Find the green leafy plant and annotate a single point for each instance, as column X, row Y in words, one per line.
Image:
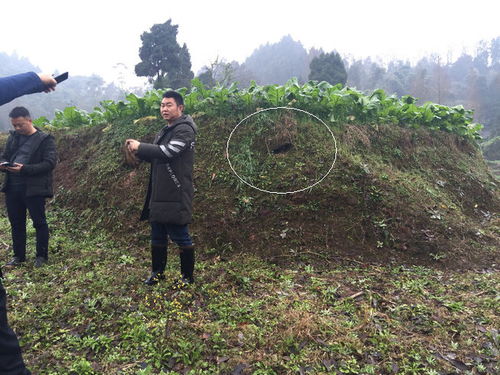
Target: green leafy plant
column 334, row 103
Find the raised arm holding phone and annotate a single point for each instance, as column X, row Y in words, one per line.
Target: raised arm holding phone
column 12, row 87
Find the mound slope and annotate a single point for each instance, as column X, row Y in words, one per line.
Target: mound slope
column 398, row 195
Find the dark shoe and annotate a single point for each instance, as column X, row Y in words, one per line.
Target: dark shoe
column 187, row 263
column 40, row 261
column 15, row 262
column 154, row 278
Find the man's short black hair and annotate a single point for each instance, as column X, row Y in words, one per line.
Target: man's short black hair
column 179, row 100
column 19, row 112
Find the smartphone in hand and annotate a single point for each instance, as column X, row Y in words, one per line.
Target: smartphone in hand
column 61, row 77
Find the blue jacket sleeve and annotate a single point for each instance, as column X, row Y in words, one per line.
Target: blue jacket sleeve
column 18, row 85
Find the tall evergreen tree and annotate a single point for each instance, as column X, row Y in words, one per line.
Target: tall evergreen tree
column 328, row 67
column 164, row 61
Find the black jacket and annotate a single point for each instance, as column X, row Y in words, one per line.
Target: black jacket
column 170, row 192
column 38, row 171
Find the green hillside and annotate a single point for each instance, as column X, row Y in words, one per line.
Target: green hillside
column 409, row 192
column 389, row 265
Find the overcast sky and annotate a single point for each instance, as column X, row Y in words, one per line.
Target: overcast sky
column 86, row 37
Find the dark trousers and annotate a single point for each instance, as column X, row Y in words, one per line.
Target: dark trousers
column 11, row 360
column 177, row 233
column 160, row 233
column 17, row 203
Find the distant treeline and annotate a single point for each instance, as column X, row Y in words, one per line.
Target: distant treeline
column 472, row 80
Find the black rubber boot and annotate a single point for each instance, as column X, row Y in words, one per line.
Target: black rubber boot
column 187, row 263
column 158, row 263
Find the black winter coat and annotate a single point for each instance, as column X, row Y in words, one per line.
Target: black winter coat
column 38, row 172
column 170, row 192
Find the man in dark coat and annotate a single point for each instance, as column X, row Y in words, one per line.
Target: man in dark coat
column 28, row 159
column 168, row 203
column 11, row 361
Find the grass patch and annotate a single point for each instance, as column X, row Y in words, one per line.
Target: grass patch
column 88, row 312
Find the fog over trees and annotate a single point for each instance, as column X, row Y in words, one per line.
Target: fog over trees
column 471, row 80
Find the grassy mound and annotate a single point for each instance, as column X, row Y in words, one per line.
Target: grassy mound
column 412, row 196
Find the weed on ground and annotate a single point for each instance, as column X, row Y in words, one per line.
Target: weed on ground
column 87, row 312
